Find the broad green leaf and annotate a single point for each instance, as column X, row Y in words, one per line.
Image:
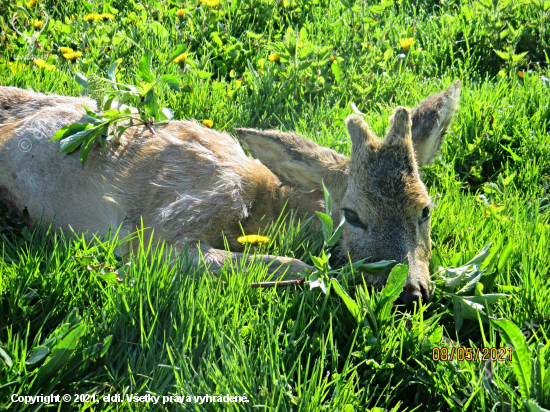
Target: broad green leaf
column 436, row 335
column 318, row 262
column 509, row 289
column 159, row 30
column 490, row 298
column 37, row 354
column 346, row 4
column 481, row 256
column 303, row 34
column 67, row 131
column 108, row 103
column 374, row 268
column 348, row 301
column 515, row 157
column 179, row 50
column 122, row 272
column 87, row 146
column 253, row 35
column 78, row 360
column 167, row 113
column 336, row 71
column 123, row 98
column 71, row 143
column 82, row 80
column 376, row 9
column 304, row 65
column 106, row 345
column 470, row 309
column 144, row 67
column 109, row 277
column 5, row 357
column 521, row 356
column 532, row 406
column 218, row 86
column 327, row 225
column 85, row 260
column 171, row 81
column 337, row 233
column 540, row 372
column 93, row 120
column 151, row 104
column 218, row 41
column 61, row 353
column 518, row 57
column 503, row 55
column 396, row 282
column 472, row 279
column 203, row 75
column 111, row 71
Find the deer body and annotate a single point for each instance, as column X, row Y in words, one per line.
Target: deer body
column 193, row 185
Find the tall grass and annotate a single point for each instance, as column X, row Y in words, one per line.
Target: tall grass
column 163, row 331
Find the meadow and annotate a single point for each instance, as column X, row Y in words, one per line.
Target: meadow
column 69, row 326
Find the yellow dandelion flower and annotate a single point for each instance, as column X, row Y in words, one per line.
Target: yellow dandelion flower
column 180, row 60
column 208, row 123
column 332, row 58
column 32, row 3
column 211, row 3
column 65, row 50
column 253, row 239
column 106, row 16
column 72, row 56
column 181, row 13
column 92, row 17
column 37, row 24
column 40, row 63
column 73, row 18
column 274, row 57
column 407, row 43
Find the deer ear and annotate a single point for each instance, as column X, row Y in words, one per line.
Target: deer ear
column 296, row 160
column 430, row 120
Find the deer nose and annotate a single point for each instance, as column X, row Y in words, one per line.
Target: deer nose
column 408, row 299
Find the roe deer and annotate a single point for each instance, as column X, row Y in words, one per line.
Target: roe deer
column 192, row 184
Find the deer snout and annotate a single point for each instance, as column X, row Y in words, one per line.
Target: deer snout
column 412, row 293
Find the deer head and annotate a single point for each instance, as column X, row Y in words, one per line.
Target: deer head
column 378, row 188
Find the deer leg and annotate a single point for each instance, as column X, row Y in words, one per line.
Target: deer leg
column 284, row 268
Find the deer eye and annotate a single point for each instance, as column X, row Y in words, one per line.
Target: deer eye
column 425, row 214
column 352, row 218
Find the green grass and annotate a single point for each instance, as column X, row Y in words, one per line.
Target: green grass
column 164, row 332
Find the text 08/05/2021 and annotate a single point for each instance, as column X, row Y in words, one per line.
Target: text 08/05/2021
column 471, row 354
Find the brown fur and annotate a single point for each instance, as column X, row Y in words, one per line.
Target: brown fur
column 192, row 184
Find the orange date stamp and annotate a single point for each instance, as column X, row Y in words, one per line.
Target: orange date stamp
column 470, row 354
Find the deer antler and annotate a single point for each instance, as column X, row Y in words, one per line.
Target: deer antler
column 45, row 25
column 32, row 38
column 13, row 25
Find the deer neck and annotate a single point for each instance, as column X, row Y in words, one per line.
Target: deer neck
column 269, row 198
